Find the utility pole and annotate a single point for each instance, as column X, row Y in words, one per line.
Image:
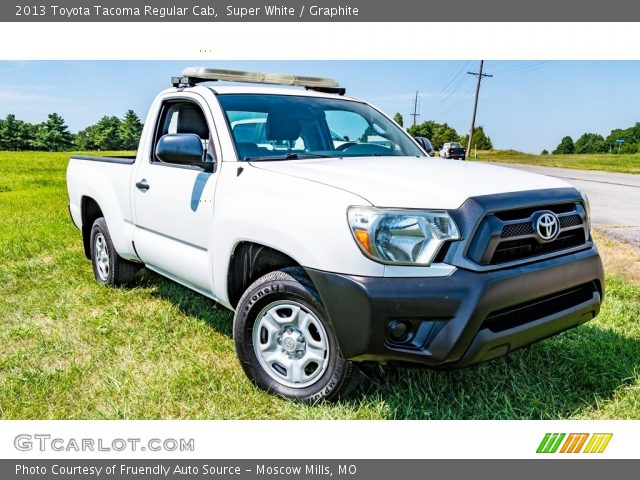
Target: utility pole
column 416, row 106
column 480, row 75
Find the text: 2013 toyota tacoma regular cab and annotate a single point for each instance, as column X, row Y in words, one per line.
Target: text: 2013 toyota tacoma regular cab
column 332, row 235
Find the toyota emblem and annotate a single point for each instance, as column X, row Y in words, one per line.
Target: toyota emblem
column 547, row 227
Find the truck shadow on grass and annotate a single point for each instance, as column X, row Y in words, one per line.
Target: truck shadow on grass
column 564, row 376
column 570, row 375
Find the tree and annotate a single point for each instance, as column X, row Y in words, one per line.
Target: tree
column 424, row 129
column 442, row 134
column 52, row 135
column 479, row 141
column 591, row 143
column 398, row 119
column 15, row 134
column 438, row 133
column 630, row 135
column 85, row 139
column 566, row 146
column 130, row 131
column 544, row 152
column 105, row 134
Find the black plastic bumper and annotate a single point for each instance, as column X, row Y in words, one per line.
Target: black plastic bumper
column 465, row 318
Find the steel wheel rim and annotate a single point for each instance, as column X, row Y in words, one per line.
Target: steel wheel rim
column 101, row 256
column 291, row 344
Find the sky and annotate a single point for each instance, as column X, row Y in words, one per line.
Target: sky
column 527, row 105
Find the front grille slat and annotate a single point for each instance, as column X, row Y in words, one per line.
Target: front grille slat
column 520, row 213
column 526, row 228
column 570, row 221
column 529, row 247
column 517, row 230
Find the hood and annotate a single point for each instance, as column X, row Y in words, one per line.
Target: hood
column 412, row 182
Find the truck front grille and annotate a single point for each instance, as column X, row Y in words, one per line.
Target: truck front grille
column 510, row 235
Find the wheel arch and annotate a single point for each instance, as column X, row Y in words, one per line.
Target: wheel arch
column 90, row 211
column 248, row 262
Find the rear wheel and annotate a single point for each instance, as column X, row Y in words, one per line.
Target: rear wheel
column 109, row 268
column 285, row 342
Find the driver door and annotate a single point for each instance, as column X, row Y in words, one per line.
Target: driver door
column 174, row 202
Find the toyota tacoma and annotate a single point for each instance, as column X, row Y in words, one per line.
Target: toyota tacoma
column 336, row 240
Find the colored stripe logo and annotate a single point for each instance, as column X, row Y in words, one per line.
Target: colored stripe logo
column 574, row 443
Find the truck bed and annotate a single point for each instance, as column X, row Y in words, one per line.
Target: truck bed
column 125, row 160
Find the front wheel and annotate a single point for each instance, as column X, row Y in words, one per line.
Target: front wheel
column 285, row 342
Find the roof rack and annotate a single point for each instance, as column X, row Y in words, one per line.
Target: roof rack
column 195, row 75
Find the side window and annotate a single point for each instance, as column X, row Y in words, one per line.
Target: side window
column 182, row 117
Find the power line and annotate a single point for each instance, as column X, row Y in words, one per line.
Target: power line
column 480, row 76
column 450, row 87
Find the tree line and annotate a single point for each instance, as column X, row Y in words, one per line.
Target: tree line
column 595, row 143
column 441, row 133
column 53, row 135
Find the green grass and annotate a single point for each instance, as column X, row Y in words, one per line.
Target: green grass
column 70, row 348
column 624, row 163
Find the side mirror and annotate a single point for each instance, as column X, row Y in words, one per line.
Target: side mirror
column 184, row 149
column 425, row 146
column 208, row 164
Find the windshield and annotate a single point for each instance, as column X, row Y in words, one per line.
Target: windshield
column 284, row 127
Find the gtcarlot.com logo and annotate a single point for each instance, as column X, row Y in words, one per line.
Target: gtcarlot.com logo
column 44, row 442
column 574, row 443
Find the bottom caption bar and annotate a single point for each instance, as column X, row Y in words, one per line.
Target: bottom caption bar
column 313, row 469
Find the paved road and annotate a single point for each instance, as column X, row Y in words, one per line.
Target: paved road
column 614, row 197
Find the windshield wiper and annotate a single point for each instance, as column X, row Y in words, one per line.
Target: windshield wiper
column 288, row 156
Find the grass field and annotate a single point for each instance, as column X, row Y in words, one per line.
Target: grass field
column 72, row 349
column 626, row 163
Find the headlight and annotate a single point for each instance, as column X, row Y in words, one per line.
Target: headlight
column 401, row 237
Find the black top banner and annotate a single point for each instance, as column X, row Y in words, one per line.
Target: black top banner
column 452, row 11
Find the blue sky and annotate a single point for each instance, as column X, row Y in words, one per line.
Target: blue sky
column 527, row 105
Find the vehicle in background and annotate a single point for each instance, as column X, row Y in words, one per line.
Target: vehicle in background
column 453, row 150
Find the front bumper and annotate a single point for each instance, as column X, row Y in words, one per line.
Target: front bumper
column 465, row 318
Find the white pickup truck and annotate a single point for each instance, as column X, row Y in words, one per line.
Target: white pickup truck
column 332, row 235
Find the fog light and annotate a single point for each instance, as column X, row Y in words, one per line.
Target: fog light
column 399, row 331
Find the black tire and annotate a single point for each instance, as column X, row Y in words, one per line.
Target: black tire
column 290, row 284
column 115, row 270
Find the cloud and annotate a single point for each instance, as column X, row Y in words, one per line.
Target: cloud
column 10, row 94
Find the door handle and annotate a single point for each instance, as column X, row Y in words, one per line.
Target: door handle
column 142, row 185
